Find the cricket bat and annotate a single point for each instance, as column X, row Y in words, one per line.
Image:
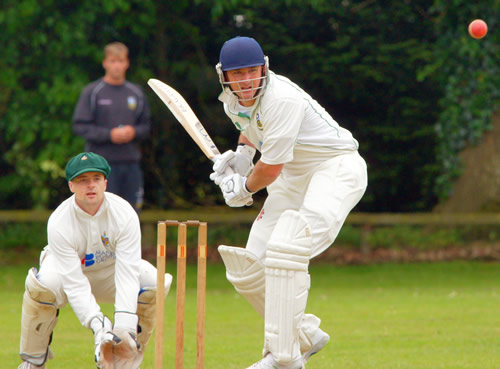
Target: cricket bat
column 188, row 119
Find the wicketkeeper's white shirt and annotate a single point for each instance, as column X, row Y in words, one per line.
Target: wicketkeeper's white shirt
column 84, row 244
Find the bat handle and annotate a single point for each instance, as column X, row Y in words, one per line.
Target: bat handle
column 228, row 171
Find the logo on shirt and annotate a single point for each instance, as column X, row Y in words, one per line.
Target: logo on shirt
column 88, row 260
column 105, row 240
column 104, row 102
column 97, row 258
column 259, row 123
column 132, row 102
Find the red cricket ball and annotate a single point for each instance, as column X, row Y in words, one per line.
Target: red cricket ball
column 478, row 28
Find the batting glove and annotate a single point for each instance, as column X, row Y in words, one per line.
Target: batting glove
column 235, row 191
column 240, row 162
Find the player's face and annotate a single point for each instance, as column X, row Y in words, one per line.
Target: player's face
column 116, row 66
column 245, row 83
column 89, row 191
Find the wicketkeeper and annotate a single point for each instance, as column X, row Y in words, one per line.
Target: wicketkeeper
column 314, row 176
column 93, row 255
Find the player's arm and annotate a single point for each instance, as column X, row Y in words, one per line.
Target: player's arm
column 262, row 176
column 143, row 123
column 242, row 140
column 84, row 121
column 75, row 284
column 128, row 257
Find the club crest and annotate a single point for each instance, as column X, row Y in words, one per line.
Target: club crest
column 132, row 102
column 105, row 240
column 259, row 123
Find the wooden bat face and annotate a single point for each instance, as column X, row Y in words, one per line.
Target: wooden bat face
column 186, row 117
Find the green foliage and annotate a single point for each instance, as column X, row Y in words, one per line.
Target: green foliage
column 468, row 73
column 403, row 76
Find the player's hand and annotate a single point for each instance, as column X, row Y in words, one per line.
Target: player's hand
column 235, row 191
column 240, row 162
column 100, row 324
column 120, row 349
column 128, row 132
column 122, row 134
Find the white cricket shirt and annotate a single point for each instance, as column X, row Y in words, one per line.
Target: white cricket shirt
column 84, row 244
column 288, row 126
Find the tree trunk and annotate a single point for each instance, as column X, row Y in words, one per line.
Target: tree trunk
column 478, row 188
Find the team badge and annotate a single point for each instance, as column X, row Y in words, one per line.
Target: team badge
column 105, row 240
column 259, row 123
column 132, row 102
column 84, row 157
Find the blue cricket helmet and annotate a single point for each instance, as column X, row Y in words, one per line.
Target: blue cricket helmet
column 241, row 52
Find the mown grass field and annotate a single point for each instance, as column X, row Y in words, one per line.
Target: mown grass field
column 409, row 316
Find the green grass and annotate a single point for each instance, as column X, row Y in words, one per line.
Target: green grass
column 409, row 316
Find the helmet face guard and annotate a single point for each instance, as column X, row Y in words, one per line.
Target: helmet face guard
column 239, row 53
column 236, row 86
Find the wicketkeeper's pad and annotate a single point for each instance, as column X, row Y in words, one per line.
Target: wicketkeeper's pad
column 38, row 319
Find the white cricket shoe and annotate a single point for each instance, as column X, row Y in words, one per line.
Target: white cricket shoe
column 28, row 365
column 268, row 362
column 319, row 340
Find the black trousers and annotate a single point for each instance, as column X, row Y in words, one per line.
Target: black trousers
column 126, row 180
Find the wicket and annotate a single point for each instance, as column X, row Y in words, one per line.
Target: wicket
column 181, row 290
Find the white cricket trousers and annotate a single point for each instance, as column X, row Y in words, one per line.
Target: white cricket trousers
column 102, row 282
column 323, row 194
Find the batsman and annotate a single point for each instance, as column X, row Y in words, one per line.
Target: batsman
column 93, row 255
column 314, row 176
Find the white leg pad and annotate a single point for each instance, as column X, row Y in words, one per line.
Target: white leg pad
column 246, row 274
column 287, row 286
column 39, row 317
column 146, row 311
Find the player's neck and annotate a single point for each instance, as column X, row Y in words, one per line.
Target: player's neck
column 114, row 81
column 90, row 209
column 247, row 103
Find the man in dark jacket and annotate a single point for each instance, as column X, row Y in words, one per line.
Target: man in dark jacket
column 112, row 115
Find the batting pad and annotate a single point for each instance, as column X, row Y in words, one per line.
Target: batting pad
column 246, row 274
column 38, row 319
column 287, row 285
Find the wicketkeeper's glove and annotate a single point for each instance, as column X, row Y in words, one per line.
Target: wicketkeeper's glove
column 117, row 347
column 120, row 350
column 100, row 324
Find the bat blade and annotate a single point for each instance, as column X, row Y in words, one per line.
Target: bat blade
column 186, row 117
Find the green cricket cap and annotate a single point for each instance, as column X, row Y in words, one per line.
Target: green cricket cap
column 86, row 162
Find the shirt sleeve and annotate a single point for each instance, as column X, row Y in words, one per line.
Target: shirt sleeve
column 143, row 122
column 283, row 119
column 84, row 121
column 75, row 284
column 128, row 257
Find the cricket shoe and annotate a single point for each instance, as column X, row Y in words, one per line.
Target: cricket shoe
column 28, row 365
column 319, row 340
column 268, row 362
